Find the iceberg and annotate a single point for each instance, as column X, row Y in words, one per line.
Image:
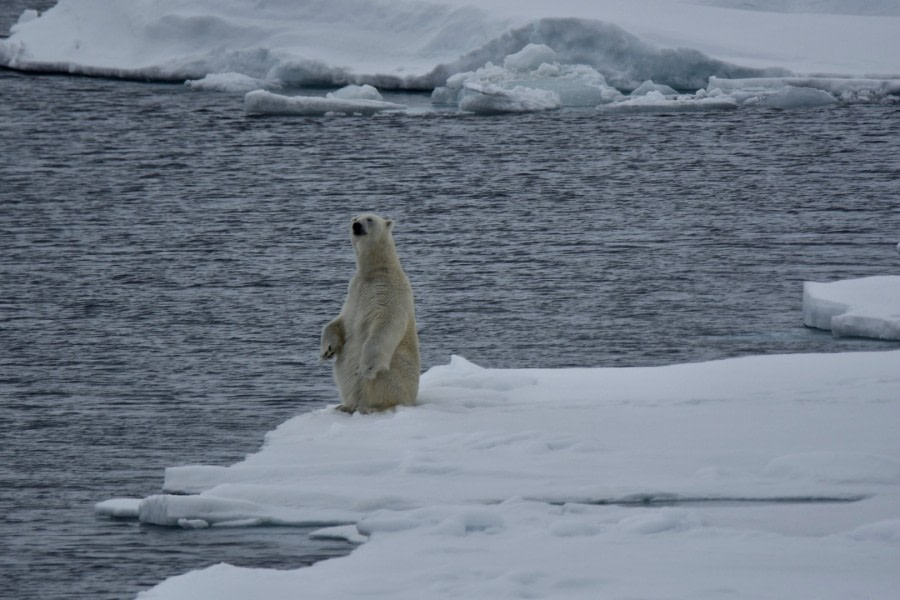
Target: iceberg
column 866, row 307
column 765, row 476
column 261, row 102
column 419, row 44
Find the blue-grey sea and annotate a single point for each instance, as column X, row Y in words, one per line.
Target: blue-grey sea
column 167, row 263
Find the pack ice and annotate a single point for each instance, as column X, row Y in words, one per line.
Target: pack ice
column 584, row 53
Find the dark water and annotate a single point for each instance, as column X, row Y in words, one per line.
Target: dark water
column 166, row 264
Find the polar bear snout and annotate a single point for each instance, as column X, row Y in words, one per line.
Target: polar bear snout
column 359, row 228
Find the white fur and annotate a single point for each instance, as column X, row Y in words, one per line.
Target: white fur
column 374, row 339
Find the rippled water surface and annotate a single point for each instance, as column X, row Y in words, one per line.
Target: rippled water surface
column 166, row 265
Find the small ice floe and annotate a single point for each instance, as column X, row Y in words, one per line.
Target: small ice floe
column 491, row 99
column 654, row 101
column 261, row 102
column 119, row 508
column 866, row 307
column 231, row 82
column 805, row 92
column 648, row 86
column 356, row 92
column 530, row 80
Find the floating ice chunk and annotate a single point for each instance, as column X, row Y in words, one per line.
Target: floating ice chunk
column 530, row 58
column 654, row 101
column 795, row 97
column 193, row 523
column 120, row 508
column 491, row 99
column 356, row 92
column 649, row 86
column 846, row 88
column 573, row 85
column 867, row 307
column 261, row 102
column 230, row 82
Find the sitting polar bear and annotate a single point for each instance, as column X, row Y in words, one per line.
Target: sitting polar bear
column 374, row 340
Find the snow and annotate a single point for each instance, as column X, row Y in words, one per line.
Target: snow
column 261, row 102
column 866, row 307
column 756, row 477
column 418, row 44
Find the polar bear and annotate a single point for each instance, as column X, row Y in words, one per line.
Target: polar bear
column 373, row 340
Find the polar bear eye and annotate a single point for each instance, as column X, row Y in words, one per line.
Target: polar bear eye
column 369, row 219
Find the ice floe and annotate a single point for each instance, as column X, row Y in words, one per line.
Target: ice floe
column 420, row 43
column 261, row 102
column 866, row 307
column 759, row 476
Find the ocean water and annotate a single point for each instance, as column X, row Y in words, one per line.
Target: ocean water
column 166, row 265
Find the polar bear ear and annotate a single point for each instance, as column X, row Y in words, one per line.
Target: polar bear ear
column 389, row 223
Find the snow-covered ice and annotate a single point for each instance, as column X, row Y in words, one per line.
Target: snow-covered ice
column 757, row 477
column 866, row 307
column 419, row 44
column 261, row 102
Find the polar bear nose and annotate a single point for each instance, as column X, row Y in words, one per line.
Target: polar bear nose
column 358, row 228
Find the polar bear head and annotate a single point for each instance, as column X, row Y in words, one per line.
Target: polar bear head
column 371, row 234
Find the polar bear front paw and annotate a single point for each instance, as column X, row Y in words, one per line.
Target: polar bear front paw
column 332, row 340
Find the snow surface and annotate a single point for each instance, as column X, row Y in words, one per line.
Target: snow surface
column 418, row 44
column 867, row 307
column 758, row 477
